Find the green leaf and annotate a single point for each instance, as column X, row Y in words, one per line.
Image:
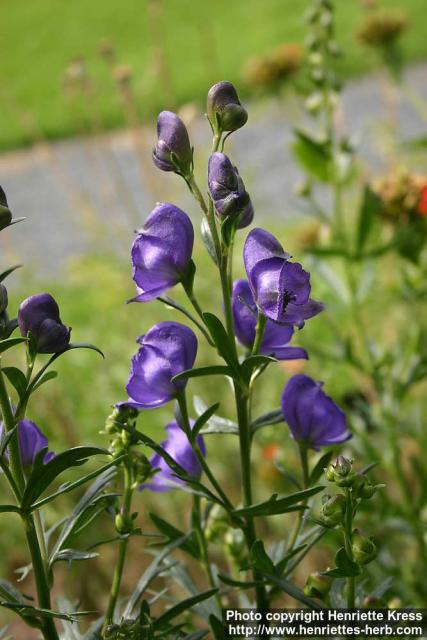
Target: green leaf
column 83, row 345
column 239, row 584
column 7, row 272
column 216, row 424
column 313, row 155
column 272, row 417
column 182, row 606
column 345, row 566
column 281, row 565
column 70, row 486
column 319, row 468
column 5, row 438
column 293, row 591
column 217, row 627
column 17, row 379
column 153, row 570
column 85, row 504
column 208, row 240
column 49, row 375
column 370, row 207
column 10, row 342
column 201, row 372
column 276, row 506
column 188, row 544
column 71, row 555
column 202, row 420
column 42, row 475
column 222, row 340
column 253, row 362
column 260, row 559
column 228, row 229
column 9, row 508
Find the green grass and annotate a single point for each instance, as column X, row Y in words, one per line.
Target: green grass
column 200, row 42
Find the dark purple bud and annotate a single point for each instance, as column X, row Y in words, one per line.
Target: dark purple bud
column 224, row 109
column 227, row 190
column 166, row 349
column 276, row 337
column 173, row 151
column 39, row 314
column 312, row 416
column 5, row 214
column 280, row 287
column 178, row 447
column 31, row 441
column 3, row 298
column 161, row 252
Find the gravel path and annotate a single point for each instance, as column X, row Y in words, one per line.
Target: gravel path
column 81, row 193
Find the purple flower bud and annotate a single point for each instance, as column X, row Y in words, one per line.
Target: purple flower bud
column 173, row 151
column 39, row 314
column 280, row 287
column 224, row 109
column 5, row 214
column 166, row 349
column 178, row 447
column 276, row 337
column 31, row 441
column 312, row 416
column 227, row 190
column 161, row 252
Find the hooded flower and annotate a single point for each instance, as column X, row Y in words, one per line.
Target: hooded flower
column 281, row 288
column 173, row 151
column 227, row 190
column 161, row 252
column 225, row 112
column 178, row 447
column 39, row 314
column 166, row 349
column 312, row 416
column 276, row 337
column 31, row 441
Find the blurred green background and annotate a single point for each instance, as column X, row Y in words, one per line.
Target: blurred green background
column 175, row 48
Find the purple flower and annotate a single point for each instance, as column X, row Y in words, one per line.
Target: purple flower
column 227, row 190
column 173, row 151
column 276, row 337
column 225, row 112
column 39, row 314
column 31, row 441
column 166, row 349
column 312, row 416
column 280, row 287
column 178, row 447
column 161, row 252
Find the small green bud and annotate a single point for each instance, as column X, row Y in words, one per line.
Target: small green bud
column 317, row 585
column 217, row 523
column 363, row 488
column 394, row 603
column 303, row 189
column 341, row 472
column 364, row 549
column 123, row 523
column 235, row 544
column 142, row 467
column 315, row 58
column 333, row 510
column 313, row 102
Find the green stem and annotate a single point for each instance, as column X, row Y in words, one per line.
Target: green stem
column 209, row 213
column 125, row 511
column 303, row 453
column 259, row 333
column 347, row 530
column 47, row 624
column 203, row 546
column 13, row 446
column 245, row 463
column 182, row 402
